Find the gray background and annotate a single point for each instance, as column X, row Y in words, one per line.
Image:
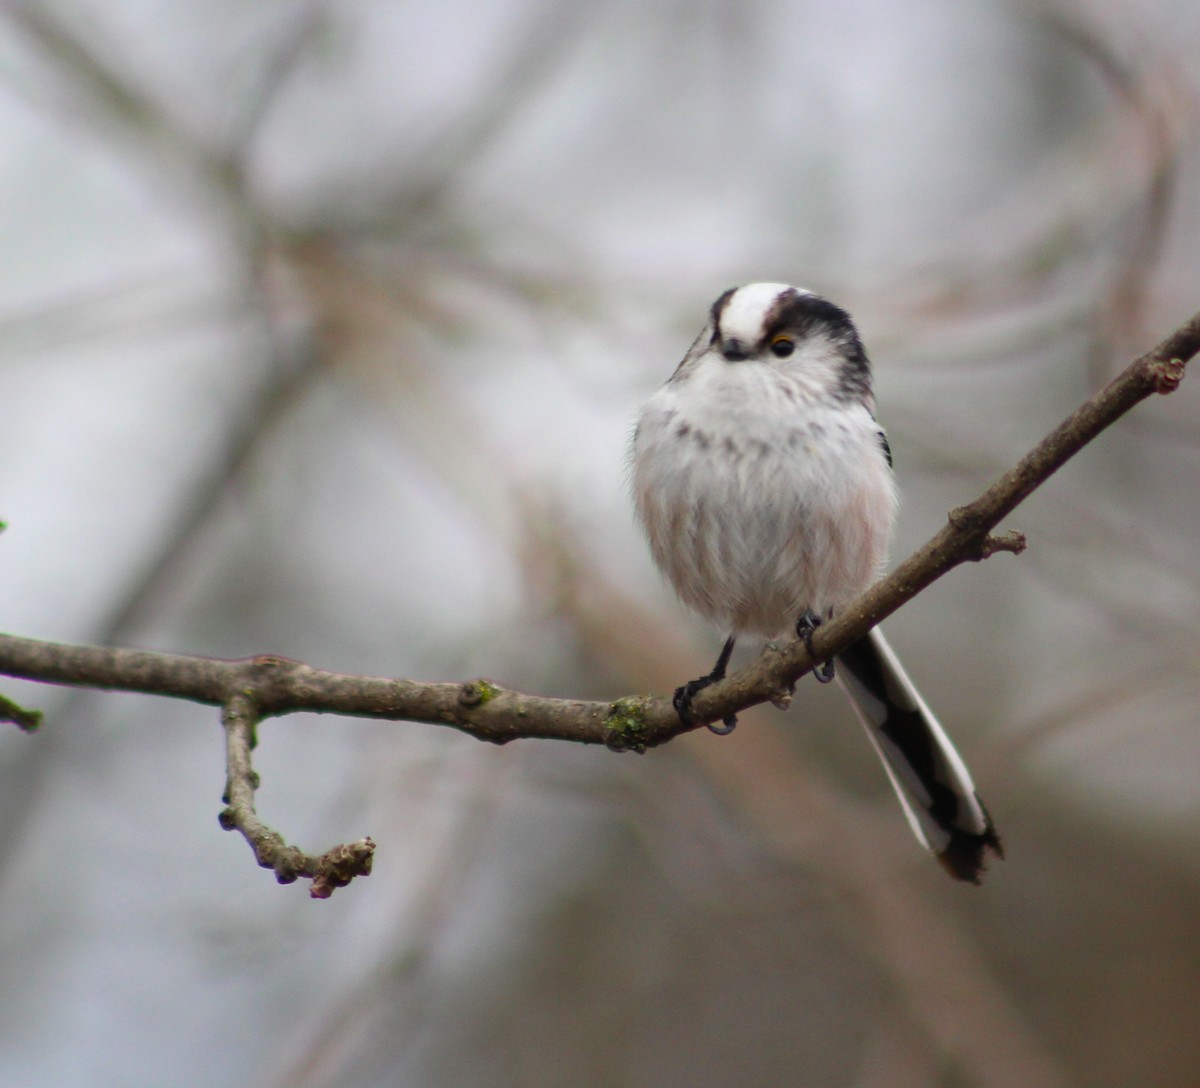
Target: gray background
column 323, row 329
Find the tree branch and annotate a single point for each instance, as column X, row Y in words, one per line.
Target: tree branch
column 255, row 688
column 333, row 869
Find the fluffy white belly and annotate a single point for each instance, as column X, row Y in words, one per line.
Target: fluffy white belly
column 764, row 508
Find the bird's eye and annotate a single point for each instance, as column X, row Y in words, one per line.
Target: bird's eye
column 782, row 346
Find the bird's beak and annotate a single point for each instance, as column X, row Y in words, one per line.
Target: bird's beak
column 734, row 350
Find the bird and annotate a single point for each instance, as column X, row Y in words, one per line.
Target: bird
column 763, row 483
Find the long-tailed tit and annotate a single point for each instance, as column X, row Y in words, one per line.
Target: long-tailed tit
column 764, row 486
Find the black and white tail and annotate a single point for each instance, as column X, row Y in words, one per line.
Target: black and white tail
column 930, row 778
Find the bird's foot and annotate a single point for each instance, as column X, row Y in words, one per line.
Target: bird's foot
column 682, row 701
column 684, row 695
column 805, row 626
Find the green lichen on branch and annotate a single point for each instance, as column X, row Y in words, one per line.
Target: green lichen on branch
column 625, row 724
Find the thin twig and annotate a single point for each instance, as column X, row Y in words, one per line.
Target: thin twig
column 333, row 869
column 28, row 721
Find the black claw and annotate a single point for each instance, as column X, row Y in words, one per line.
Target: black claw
column 682, row 702
column 805, row 626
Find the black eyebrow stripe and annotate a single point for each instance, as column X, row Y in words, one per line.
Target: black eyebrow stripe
column 718, row 308
column 781, row 311
column 803, row 312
